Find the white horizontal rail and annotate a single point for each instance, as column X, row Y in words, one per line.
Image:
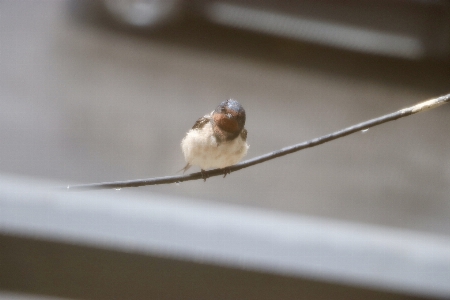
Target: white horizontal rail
column 273, row 242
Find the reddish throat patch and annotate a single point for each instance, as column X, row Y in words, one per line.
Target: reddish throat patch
column 224, row 123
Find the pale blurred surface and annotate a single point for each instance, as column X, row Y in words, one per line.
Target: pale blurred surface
column 20, row 296
column 86, row 103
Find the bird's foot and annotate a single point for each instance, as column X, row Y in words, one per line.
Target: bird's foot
column 226, row 171
column 204, row 175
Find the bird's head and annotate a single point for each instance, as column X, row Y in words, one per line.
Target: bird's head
column 229, row 117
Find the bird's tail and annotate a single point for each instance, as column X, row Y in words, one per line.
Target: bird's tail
column 186, row 167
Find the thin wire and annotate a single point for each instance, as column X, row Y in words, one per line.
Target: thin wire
column 423, row 106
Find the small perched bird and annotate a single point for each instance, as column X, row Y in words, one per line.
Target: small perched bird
column 217, row 140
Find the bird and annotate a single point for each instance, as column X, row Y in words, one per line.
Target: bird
column 217, row 140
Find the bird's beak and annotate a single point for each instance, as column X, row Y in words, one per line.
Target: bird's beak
column 229, row 116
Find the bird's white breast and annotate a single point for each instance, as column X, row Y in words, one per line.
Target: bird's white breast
column 200, row 148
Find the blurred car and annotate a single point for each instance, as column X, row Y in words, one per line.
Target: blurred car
column 410, row 29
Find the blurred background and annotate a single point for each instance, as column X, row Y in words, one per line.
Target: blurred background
column 95, row 91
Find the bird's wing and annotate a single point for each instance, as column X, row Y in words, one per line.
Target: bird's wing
column 244, row 134
column 201, row 122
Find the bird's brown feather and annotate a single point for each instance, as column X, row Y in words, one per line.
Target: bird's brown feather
column 201, row 122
